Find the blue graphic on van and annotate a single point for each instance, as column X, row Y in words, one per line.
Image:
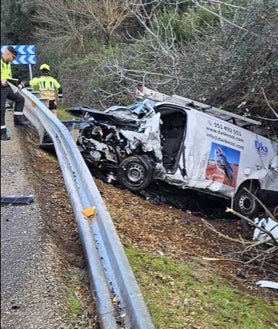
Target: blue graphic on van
column 261, row 147
column 223, row 163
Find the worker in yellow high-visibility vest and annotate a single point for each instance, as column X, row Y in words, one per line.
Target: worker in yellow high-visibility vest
column 48, row 87
column 7, row 93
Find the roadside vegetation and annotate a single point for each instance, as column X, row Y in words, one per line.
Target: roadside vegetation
column 74, row 303
column 182, row 295
column 63, row 114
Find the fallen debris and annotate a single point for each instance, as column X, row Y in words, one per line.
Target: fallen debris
column 267, row 284
column 267, row 224
column 17, row 199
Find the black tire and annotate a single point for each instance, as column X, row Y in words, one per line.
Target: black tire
column 135, row 173
column 245, row 203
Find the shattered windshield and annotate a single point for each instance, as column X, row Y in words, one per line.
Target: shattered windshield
column 132, row 112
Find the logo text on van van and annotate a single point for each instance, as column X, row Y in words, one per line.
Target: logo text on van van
column 261, row 147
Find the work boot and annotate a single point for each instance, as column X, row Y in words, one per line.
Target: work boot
column 5, row 137
column 20, row 120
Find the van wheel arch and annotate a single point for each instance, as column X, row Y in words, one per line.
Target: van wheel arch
column 244, row 202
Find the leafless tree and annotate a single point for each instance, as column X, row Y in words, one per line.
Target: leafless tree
column 72, row 25
column 219, row 52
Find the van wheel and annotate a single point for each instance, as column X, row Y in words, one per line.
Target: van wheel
column 135, row 173
column 245, row 203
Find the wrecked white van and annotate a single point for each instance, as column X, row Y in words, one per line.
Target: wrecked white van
column 184, row 143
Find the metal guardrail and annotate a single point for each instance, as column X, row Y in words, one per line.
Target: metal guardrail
column 109, row 270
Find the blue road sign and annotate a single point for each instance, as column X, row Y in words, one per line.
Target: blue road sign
column 22, row 49
column 26, row 54
column 25, row 59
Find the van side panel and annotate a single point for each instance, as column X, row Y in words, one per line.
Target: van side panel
column 220, row 156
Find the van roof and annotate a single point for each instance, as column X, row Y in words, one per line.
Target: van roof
column 236, row 119
column 214, row 111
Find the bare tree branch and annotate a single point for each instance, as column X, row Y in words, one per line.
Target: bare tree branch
column 196, row 2
column 268, row 104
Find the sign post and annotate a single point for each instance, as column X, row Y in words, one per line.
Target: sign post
column 26, row 55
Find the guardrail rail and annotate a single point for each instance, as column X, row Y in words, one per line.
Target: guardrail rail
column 110, row 274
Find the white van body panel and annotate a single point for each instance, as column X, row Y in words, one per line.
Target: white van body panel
column 211, row 144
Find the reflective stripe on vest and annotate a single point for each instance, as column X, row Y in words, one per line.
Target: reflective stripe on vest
column 46, row 84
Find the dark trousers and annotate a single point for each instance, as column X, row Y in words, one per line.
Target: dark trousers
column 52, row 105
column 7, row 93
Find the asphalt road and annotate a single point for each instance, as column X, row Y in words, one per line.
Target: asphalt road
column 31, row 294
